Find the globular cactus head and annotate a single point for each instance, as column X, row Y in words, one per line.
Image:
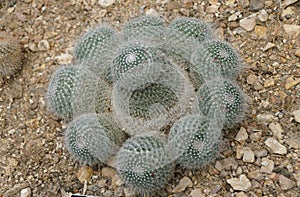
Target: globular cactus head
column 194, row 141
column 129, row 56
column 143, row 163
column 60, row 92
column 221, row 100
column 93, row 138
column 216, row 57
column 183, row 35
column 93, row 47
column 150, row 28
column 11, row 55
column 155, row 98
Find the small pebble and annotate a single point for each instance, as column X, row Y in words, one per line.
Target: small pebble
column 248, row 156
column 263, row 15
column 248, row 23
column 64, row 58
column 183, row 184
column 43, row 45
column 241, row 184
column 260, row 31
column 242, row 135
column 285, row 183
column 267, row 166
column 196, row 193
column 106, row 3
column 268, row 46
column 84, row 173
column 276, row 129
column 297, row 115
column 297, row 52
column 269, row 83
column 26, row 192
column 291, row 82
column 292, row 30
column 108, row 172
column 275, row 146
column 256, row 5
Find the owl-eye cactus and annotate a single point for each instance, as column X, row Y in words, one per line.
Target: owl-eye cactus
column 11, row 55
column 194, row 140
column 221, row 100
column 216, row 57
column 92, row 138
column 143, row 163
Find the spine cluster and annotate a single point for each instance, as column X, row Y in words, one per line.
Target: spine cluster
column 153, row 95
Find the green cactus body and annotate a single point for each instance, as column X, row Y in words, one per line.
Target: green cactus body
column 131, row 56
column 142, row 99
column 152, row 99
column 60, row 92
column 150, row 28
column 221, row 100
column 11, row 55
column 143, row 164
column 92, row 138
column 184, row 35
column 194, row 140
column 216, row 57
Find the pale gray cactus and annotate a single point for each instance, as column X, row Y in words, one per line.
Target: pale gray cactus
column 93, row 138
column 143, row 163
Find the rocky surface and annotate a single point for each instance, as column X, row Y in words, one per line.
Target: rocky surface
column 260, row 156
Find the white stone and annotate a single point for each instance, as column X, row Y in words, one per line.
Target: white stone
column 43, row 45
column 268, row 46
column 292, row 30
column 242, row 135
column 276, row 129
column 275, row 146
column 196, row 193
column 267, row 166
column 248, row 23
column 106, row 3
column 151, row 12
column 248, row 156
column 288, row 2
column 232, row 17
column 297, row 115
column 263, row 15
column 26, row 192
column 183, row 184
column 64, row 58
column 241, row 184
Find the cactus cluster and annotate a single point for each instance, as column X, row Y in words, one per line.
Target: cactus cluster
column 11, row 55
column 150, row 96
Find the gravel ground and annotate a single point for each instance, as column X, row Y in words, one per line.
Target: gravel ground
column 260, row 156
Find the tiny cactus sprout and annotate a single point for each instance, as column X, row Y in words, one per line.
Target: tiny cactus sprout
column 217, row 56
column 143, row 163
column 221, row 100
column 11, row 55
column 60, row 92
column 195, row 140
column 150, row 28
column 92, row 138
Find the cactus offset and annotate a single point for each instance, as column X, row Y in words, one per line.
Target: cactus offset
column 11, row 55
column 92, row 138
column 143, row 164
column 195, row 140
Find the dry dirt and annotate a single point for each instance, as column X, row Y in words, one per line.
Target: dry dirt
column 32, row 153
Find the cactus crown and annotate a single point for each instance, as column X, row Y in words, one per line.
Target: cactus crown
column 145, row 78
